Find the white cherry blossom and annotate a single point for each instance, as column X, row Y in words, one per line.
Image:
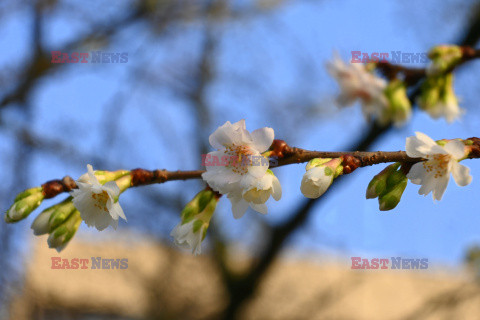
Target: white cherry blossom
column 357, row 83
column 97, row 203
column 255, row 192
column 238, row 155
column 434, row 173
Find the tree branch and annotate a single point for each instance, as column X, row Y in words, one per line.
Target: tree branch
column 353, row 159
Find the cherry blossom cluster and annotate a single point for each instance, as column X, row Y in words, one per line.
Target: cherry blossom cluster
column 246, row 183
column 240, row 166
column 387, row 101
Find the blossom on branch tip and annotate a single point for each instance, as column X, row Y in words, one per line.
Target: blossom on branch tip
column 433, row 174
column 438, row 98
column 195, row 219
column 319, row 176
column 97, row 203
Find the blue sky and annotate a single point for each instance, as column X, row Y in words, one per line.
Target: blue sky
column 279, row 55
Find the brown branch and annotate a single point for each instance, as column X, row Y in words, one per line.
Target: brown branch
column 351, row 161
column 364, row 158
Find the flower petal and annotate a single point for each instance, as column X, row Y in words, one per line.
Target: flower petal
column 456, row 149
column 428, row 184
column 276, row 189
column 228, row 134
column 422, row 145
column 262, row 139
column 117, row 211
column 258, row 171
column 102, row 221
column 461, row 174
column 112, row 188
column 262, row 208
column 440, row 187
column 239, row 206
column 417, row 173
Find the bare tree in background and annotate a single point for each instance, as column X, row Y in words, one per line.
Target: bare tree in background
column 188, row 78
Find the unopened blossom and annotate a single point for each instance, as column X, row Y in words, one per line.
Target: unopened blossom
column 25, row 203
column 195, row 219
column 315, row 182
column 255, row 192
column 434, row 173
column 357, row 83
column 61, row 235
column 97, row 203
column 319, row 176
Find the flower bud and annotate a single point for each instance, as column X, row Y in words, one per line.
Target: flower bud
column 24, row 204
column 378, row 185
column 319, row 176
column 388, row 186
column 391, row 199
column 395, row 178
column 52, row 217
column 400, row 109
column 61, row 235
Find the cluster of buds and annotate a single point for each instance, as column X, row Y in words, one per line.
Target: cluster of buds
column 382, row 101
column 195, row 219
column 60, row 221
column 94, row 199
column 388, row 186
column 437, row 96
column 319, row 176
